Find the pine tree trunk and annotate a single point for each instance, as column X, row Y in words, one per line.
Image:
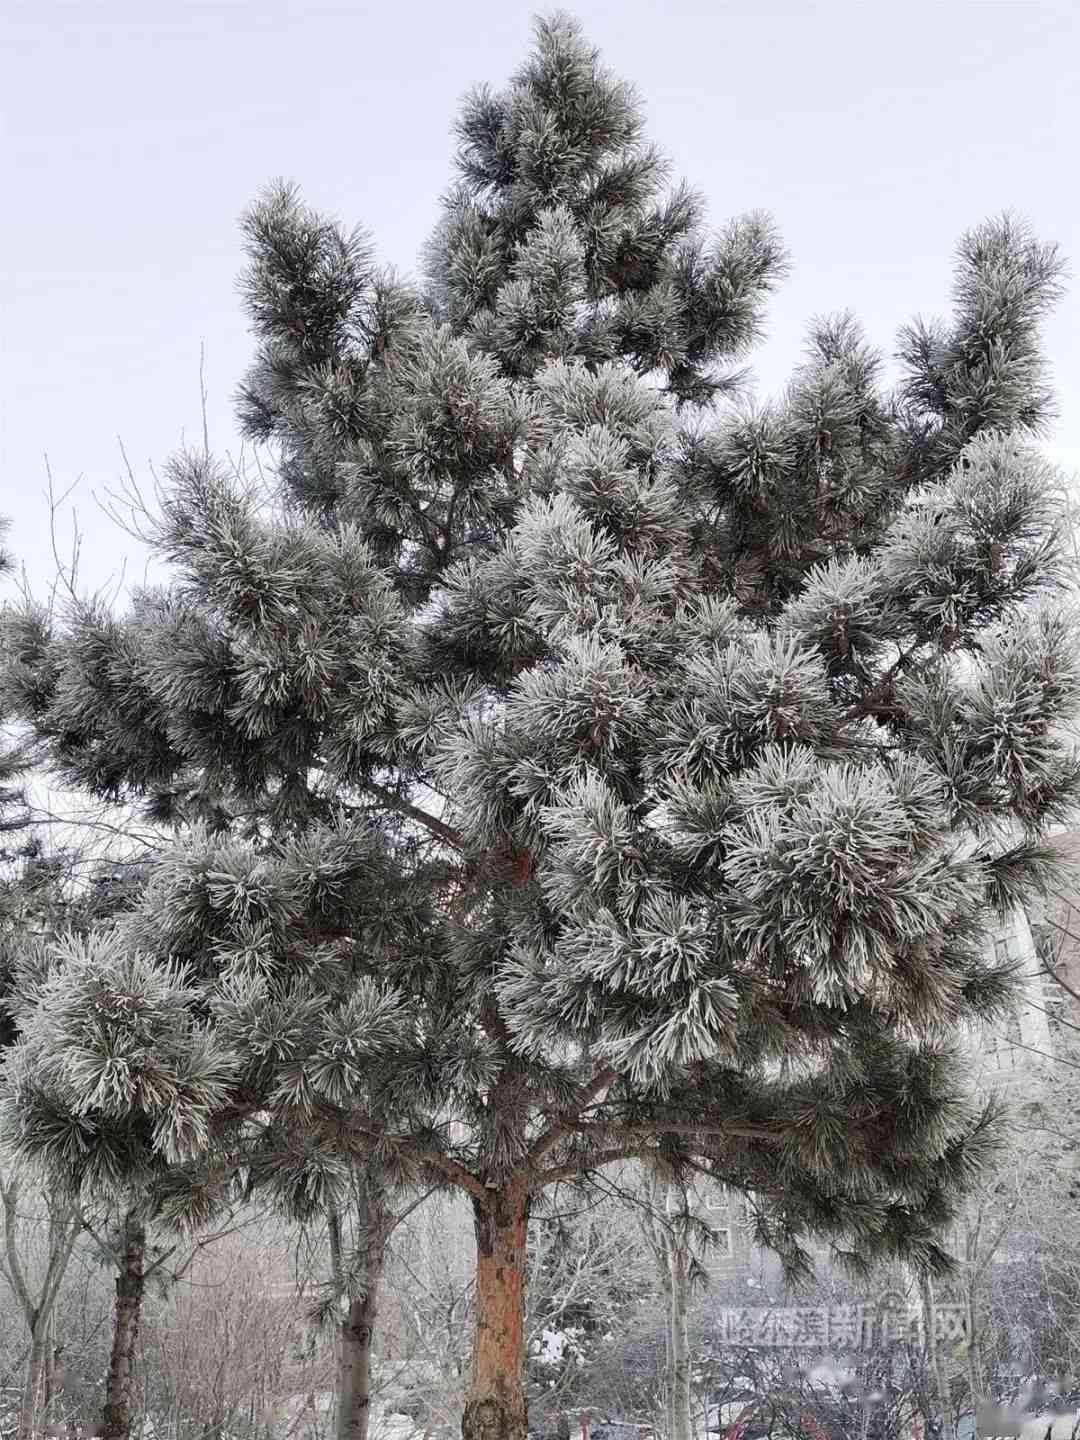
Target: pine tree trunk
column 355, row 1350
column 356, row 1332
column 681, row 1421
column 31, row 1406
column 495, row 1406
column 120, row 1383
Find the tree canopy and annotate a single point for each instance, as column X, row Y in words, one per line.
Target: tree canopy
column 573, row 760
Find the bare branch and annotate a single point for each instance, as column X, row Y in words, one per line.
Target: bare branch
column 60, row 1253
column 202, row 398
column 66, row 575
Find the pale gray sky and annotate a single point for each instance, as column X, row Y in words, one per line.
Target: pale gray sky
column 137, row 130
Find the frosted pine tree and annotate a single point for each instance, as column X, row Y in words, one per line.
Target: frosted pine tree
column 592, row 765
column 114, row 1093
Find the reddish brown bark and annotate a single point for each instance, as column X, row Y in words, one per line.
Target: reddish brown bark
column 521, row 866
column 495, row 1407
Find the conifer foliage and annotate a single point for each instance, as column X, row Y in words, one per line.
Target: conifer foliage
column 575, row 763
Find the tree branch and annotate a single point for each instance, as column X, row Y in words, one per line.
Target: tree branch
column 456, row 1173
column 1049, row 970
column 405, row 807
column 586, row 1163
column 111, row 1255
column 433, row 1159
column 879, row 692
column 200, row 1245
column 551, row 1137
column 9, row 1194
column 58, row 1259
column 333, row 1230
column 635, row 1141
column 671, row 1127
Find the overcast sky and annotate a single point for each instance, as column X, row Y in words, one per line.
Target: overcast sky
column 137, row 131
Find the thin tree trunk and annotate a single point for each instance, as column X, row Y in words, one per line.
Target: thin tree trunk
column 495, row 1407
column 354, row 1368
column 32, row 1403
column 37, row 1310
column 974, row 1359
column 48, row 1388
column 358, row 1327
column 681, row 1418
column 933, row 1355
column 670, row 1246
column 659, row 1243
column 669, row 1348
column 130, row 1282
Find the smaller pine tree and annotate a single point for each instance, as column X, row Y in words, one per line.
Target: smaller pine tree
column 113, row 1092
